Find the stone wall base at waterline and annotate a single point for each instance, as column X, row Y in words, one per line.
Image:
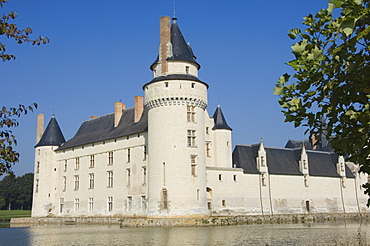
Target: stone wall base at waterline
column 209, row 221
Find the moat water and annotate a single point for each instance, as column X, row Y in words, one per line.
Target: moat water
column 343, row 233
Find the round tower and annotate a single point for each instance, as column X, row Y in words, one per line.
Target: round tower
column 176, row 101
column 45, row 169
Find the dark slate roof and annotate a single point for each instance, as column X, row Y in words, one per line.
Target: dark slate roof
column 102, row 128
column 52, row 135
column 175, row 77
column 285, row 161
column 298, row 144
column 219, row 119
column 282, row 161
column 244, row 157
column 180, row 49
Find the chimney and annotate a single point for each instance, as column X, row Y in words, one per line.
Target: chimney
column 93, row 117
column 138, row 108
column 39, row 127
column 314, row 141
column 165, row 41
column 118, row 107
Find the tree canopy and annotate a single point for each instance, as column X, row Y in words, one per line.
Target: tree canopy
column 10, row 30
column 331, row 79
column 16, row 192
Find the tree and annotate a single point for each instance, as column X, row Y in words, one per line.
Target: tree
column 16, row 192
column 11, row 30
column 331, row 79
column 8, row 119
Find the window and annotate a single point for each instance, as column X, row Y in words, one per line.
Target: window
column 198, row 194
column 143, row 203
column 129, row 203
column 77, row 204
column 234, row 178
column 220, row 177
column 110, row 204
column 193, row 165
column 77, row 182
column 61, row 204
column 263, row 179
column 306, row 180
column 110, row 179
column 38, row 152
column 91, row 181
column 65, row 165
column 110, row 158
column 144, row 153
column 262, row 161
column 207, row 130
column 343, row 179
column 190, row 113
column 128, row 155
column 64, row 183
column 191, row 138
column 37, row 186
column 166, row 84
column 223, row 203
column 77, row 163
column 304, row 164
column 187, row 69
column 208, row 149
column 38, row 167
column 164, row 199
column 144, row 175
column 92, row 161
column 192, row 85
column 91, row 204
column 128, row 176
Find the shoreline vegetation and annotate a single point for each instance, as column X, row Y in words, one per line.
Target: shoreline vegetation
column 7, row 215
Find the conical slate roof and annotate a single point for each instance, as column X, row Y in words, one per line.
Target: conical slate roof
column 219, row 119
column 52, row 136
column 180, row 49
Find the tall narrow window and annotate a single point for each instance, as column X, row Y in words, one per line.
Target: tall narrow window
column 110, row 179
column 77, row 204
column 129, row 203
column 128, row 155
column 91, row 181
column 64, row 183
column 144, row 175
column 61, row 204
column 37, row 186
column 164, row 199
column 208, row 149
column 110, row 203
column 263, row 179
column 92, row 161
column 91, row 204
column 65, row 165
column 143, row 203
column 191, row 138
column 190, row 113
column 144, row 153
column 128, row 176
column 187, row 69
column 110, row 158
column 77, row 182
column 193, row 165
column 38, row 167
column 220, row 177
column 77, row 163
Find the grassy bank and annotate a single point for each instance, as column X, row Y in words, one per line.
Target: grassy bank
column 6, row 215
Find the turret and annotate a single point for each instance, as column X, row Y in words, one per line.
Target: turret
column 45, row 169
column 222, row 140
column 176, row 101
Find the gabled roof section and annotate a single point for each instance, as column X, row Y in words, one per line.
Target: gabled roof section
column 102, row 128
column 52, row 135
column 220, row 121
column 282, row 161
column 244, row 156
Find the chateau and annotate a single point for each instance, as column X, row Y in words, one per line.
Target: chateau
column 167, row 158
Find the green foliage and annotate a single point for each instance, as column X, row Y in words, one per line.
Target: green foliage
column 331, row 79
column 16, row 191
column 8, row 119
column 11, row 30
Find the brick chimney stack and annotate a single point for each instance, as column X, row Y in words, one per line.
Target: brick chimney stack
column 39, row 127
column 118, row 107
column 165, row 42
column 138, row 107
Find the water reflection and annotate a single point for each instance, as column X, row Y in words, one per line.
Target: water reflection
column 268, row 234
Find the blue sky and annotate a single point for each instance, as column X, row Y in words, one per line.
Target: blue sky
column 100, row 52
